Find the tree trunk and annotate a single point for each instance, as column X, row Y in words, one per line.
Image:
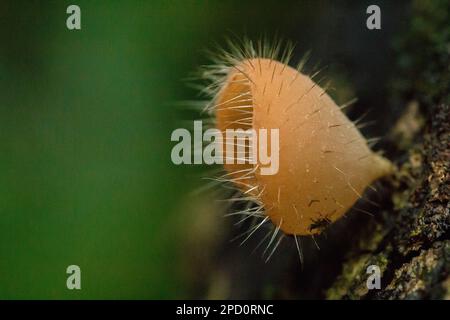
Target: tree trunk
column 411, row 244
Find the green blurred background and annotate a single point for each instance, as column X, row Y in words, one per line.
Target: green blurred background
column 85, row 123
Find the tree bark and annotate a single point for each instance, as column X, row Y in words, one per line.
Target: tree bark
column 411, row 244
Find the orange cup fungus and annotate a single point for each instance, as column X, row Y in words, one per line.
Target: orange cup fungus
column 325, row 163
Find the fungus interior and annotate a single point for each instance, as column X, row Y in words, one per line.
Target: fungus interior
column 324, row 162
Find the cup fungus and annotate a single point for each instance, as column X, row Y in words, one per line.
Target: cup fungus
column 325, row 163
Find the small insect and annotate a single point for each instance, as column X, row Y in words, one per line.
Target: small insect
column 325, row 163
column 321, row 224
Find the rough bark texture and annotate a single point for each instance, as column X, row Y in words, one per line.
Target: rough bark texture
column 411, row 244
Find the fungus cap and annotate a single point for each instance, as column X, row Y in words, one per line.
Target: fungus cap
column 324, row 161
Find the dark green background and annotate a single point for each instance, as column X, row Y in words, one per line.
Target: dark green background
column 85, row 123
